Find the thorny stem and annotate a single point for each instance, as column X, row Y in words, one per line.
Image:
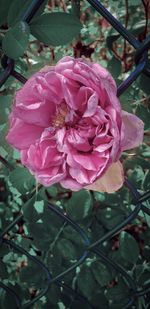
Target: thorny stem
column 116, row 54
column 63, row 5
column 146, row 8
column 76, row 7
column 57, row 236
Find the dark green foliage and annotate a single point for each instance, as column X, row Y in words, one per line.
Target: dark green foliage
column 129, row 248
column 21, row 179
column 17, row 9
column 4, row 5
column 16, row 40
column 48, row 28
column 79, row 205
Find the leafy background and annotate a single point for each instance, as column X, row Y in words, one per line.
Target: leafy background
column 56, row 31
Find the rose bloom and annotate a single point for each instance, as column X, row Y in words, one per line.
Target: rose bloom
column 68, row 125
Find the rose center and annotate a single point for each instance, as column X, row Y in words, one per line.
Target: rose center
column 58, row 120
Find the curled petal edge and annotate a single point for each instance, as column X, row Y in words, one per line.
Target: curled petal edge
column 111, row 181
column 132, row 131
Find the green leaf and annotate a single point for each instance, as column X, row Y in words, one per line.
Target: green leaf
column 146, row 252
column 56, row 28
column 8, row 301
column 86, row 282
column 4, row 7
column 117, row 257
column 21, row 179
column 137, row 28
column 110, row 217
column 5, row 101
column 16, row 40
column 53, row 294
column 99, row 196
column 143, row 113
column 33, row 275
column 52, row 191
column 137, row 176
column 134, row 2
column 42, row 236
column 49, row 217
column 18, row 8
column 39, row 206
column 144, row 279
column 114, row 67
column 112, row 38
column 128, row 247
column 75, row 304
column 99, row 300
column 3, row 270
column 29, row 212
column 125, row 103
column 71, row 234
column 66, row 249
column 6, row 147
column 54, row 261
column 117, row 294
column 79, row 205
column 101, row 273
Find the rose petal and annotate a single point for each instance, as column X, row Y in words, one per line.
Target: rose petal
column 91, row 105
column 90, row 161
column 50, row 176
column 81, row 175
column 39, row 114
column 22, row 135
column 70, row 89
column 132, row 131
column 78, row 142
column 111, row 181
column 71, row 184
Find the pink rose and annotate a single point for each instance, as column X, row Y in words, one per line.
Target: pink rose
column 68, row 125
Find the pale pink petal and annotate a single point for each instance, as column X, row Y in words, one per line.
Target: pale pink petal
column 50, row 176
column 132, row 131
column 71, row 162
column 26, row 95
column 100, row 117
column 53, row 86
column 65, row 62
column 82, row 175
column 22, row 135
column 111, row 181
column 91, row 105
column 40, row 114
column 102, row 73
column 82, row 97
column 78, row 142
column 71, row 184
column 70, row 90
column 104, row 146
column 60, row 138
column 74, row 69
column 90, row 161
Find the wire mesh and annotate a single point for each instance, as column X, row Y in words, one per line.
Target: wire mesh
column 141, row 56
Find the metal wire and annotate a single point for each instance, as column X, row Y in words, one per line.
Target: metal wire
column 141, row 55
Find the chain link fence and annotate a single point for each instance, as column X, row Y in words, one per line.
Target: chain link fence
column 141, row 61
